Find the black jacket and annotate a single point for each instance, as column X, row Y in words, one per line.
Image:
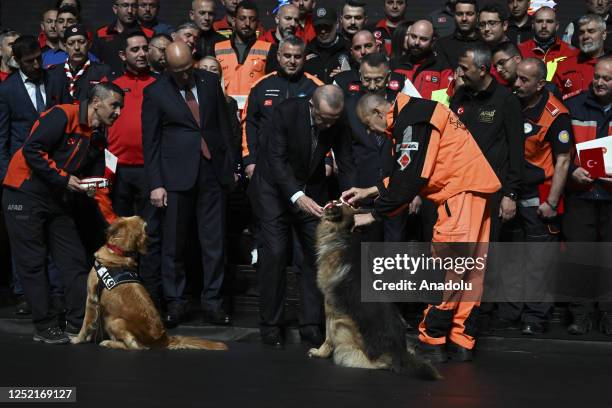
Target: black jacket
column 264, row 97
column 494, row 117
column 452, row 47
column 206, row 43
column 322, row 60
column 18, row 114
column 96, row 73
column 171, row 136
column 286, row 166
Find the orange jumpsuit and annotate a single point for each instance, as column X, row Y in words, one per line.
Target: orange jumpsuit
column 439, row 159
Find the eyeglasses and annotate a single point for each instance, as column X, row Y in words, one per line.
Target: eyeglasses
column 161, row 49
column 126, row 5
column 490, row 24
column 500, row 64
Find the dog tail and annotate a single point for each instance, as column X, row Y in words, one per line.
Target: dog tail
column 194, row 343
column 414, row 365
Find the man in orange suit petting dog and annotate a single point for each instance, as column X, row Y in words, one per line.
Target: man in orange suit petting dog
column 438, row 159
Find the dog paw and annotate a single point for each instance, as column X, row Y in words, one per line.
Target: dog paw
column 105, row 343
column 313, row 352
column 77, row 340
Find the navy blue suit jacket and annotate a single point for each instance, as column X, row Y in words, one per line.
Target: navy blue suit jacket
column 171, row 135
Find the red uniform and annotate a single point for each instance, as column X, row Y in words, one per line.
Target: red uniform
column 558, row 52
column 574, row 75
column 429, row 75
column 125, row 136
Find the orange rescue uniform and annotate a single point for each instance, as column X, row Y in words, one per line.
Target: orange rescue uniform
column 438, row 159
column 239, row 76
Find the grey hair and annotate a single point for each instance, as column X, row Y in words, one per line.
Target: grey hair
column 540, row 66
column 292, row 40
column 331, row 94
column 186, row 25
column 592, row 18
column 482, row 55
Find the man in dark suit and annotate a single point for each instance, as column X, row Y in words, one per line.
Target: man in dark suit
column 188, row 165
column 288, row 191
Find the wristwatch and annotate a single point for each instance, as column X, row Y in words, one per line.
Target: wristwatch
column 511, row 195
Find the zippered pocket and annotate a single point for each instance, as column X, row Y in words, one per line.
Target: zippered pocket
column 74, row 152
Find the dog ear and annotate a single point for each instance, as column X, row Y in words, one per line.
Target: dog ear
column 114, row 228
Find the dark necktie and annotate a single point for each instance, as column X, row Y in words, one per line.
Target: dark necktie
column 192, row 103
column 40, row 102
column 314, row 140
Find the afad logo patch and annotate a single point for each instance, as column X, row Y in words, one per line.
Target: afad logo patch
column 268, row 102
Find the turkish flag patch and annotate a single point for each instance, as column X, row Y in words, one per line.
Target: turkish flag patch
column 404, row 160
column 460, row 110
column 268, row 102
column 354, row 88
column 394, row 85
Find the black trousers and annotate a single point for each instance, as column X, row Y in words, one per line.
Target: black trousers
column 36, row 226
column 204, row 204
column 528, row 226
column 274, row 235
column 587, row 221
column 129, row 195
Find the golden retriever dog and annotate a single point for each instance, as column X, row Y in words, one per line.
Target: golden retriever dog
column 360, row 335
column 127, row 311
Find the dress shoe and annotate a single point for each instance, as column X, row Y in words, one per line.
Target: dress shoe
column 533, row 329
column 581, row 324
column 312, row 335
column 432, row 353
column 499, row 323
column 458, row 353
column 219, row 318
column 272, row 338
column 22, row 308
column 605, row 323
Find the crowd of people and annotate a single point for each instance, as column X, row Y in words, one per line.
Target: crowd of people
column 295, row 115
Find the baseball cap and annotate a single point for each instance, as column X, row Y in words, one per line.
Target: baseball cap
column 324, row 16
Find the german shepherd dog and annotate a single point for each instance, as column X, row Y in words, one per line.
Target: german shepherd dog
column 360, row 335
column 127, row 311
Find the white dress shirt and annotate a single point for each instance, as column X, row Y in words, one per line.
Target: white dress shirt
column 31, row 89
column 194, row 90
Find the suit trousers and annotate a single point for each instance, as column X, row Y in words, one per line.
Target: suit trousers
column 37, row 226
column 275, row 235
column 588, row 221
column 205, row 203
column 129, row 195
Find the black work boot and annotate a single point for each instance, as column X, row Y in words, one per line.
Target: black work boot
column 605, row 324
column 458, row 353
column 581, row 324
column 432, row 353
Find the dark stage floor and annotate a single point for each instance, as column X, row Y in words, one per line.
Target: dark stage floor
column 534, row 373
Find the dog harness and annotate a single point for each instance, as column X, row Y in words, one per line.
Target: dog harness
column 112, row 277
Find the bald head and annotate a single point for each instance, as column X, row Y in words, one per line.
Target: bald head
column 287, row 20
column 372, row 111
column 180, row 64
column 327, row 105
column 363, row 43
column 329, row 95
column 178, row 56
column 420, row 39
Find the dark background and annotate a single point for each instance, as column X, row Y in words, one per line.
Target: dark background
column 25, row 15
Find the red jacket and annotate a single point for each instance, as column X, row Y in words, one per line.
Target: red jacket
column 431, row 74
column 560, row 49
column 125, row 136
column 383, row 35
column 574, row 75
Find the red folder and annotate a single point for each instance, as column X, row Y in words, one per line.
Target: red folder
column 544, row 190
column 592, row 160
